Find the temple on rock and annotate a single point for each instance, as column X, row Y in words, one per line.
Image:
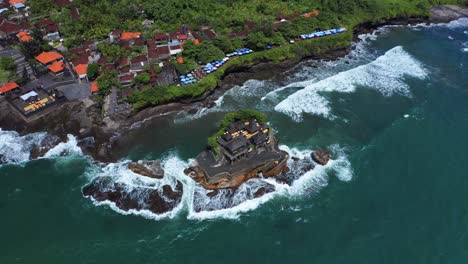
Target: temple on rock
column 241, row 138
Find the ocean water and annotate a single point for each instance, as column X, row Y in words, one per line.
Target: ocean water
column 394, row 113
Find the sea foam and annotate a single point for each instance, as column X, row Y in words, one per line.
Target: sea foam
column 194, row 195
column 385, row 74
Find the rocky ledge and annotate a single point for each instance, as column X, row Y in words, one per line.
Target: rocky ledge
column 150, row 169
column 138, row 195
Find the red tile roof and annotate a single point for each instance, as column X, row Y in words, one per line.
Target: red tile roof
column 123, row 61
column 81, row 69
column 48, row 57
column 130, row 35
column 151, row 43
column 141, row 58
column 44, row 22
column 183, row 37
column 163, row 50
column 126, row 78
column 62, row 3
column 94, row 87
column 8, row 87
column 56, row 67
column 160, row 37
column 23, row 36
column 12, row 2
column 82, row 59
column 9, row 27
column 209, row 33
column 75, row 13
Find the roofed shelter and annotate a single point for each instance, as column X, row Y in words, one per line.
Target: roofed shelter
column 48, row 57
column 81, row 70
column 8, row 87
column 130, row 35
column 57, row 68
column 94, row 87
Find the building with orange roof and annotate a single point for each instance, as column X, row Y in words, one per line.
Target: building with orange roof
column 48, row 57
column 130, row 35
column 8, row 87
column 12, row 2
column 81, row 70
column 94, row 87
column 57, row 67
column 23, row 36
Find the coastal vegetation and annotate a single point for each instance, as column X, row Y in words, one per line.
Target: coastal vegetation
column 332, row 14
column 229, row 118
column 163, row 94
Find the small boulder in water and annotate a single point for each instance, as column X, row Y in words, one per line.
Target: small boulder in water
column 150, row 169
column 321, row 156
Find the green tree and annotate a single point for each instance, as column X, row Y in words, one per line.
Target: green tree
column 93, row 71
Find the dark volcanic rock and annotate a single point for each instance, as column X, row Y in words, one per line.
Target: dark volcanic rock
column 48, row 143
column 228, row 198
column 134, row 198
column 150, row 169
column 321, row 156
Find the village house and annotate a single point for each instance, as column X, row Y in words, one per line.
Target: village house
column 161, row 38
column 138, row 64
column 163, row 52
column 53, row 61
column 49, row 28
column 8, row 87
column 175, row 49
column 10, row 30
column 81, row 71
column 23, row 36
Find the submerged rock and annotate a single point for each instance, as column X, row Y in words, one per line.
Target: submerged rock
column 159, row 201
column 150, row 169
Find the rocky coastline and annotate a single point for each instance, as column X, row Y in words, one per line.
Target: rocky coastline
column 99, row 136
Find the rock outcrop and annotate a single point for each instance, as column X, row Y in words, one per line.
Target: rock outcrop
column 230, row 179
column 138, row 195
column 127, row 198
column 46, row 144
column 150, row 169
column 321, row 156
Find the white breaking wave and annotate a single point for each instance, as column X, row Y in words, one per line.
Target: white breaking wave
column 16, row 149
column 120, row 173
column 385, row 74
column 195, row 196
column 232, row 100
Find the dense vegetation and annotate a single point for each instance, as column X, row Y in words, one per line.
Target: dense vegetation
column 229, row 118
column 163, row 94
column 98, row 18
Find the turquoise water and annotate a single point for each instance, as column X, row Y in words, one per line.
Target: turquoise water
column 396, row 117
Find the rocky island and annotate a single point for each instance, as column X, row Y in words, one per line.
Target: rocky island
column 240, row 156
